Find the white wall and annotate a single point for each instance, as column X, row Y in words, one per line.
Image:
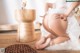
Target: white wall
column 8, row 7
column 3, row 14
column 39, row 9
column 7, row 11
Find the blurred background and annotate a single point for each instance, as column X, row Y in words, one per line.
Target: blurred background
column 7, row 14
column 8, row 7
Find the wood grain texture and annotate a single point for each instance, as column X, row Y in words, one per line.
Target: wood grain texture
column 25, row 18
column 7, row 39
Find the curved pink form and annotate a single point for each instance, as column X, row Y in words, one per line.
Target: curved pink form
column 55, row 25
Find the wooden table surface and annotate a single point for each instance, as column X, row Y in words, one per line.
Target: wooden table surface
column 7, row 39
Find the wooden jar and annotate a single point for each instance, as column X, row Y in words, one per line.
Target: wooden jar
column 25, row 15
column 25, row 18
